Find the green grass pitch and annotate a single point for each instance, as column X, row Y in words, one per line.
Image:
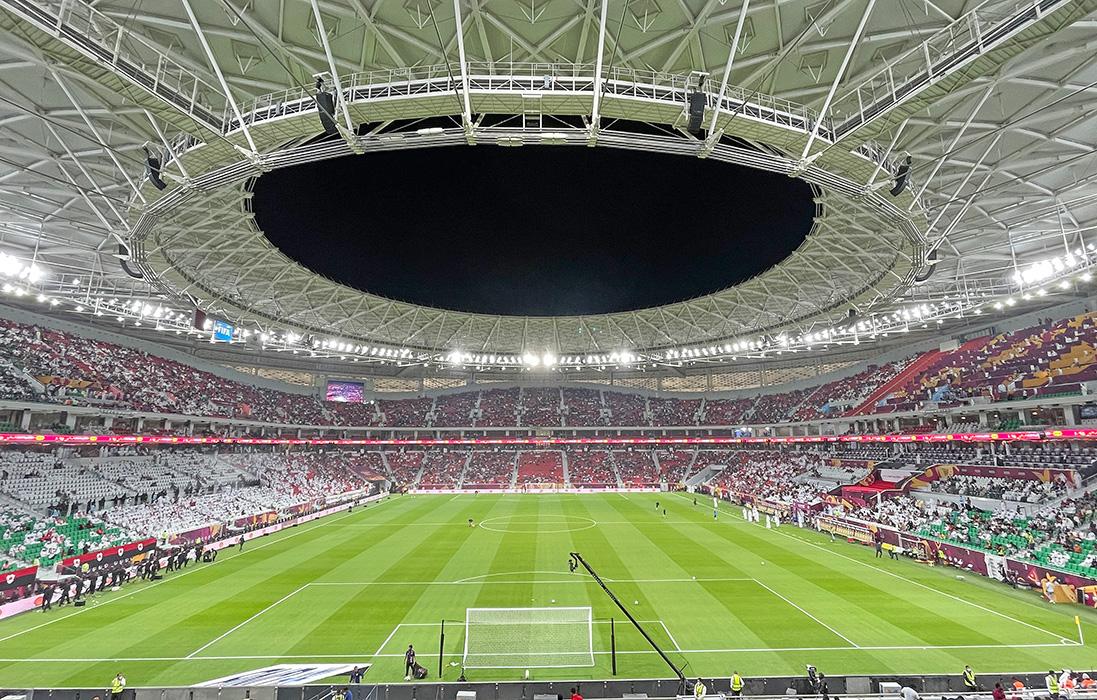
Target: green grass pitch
column 359, row 587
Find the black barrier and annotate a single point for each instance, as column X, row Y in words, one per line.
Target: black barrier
column 843, row 686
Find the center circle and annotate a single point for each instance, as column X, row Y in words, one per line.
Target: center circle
column 531, row 524
column 533, row 231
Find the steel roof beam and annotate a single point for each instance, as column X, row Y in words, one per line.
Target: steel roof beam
column 824, row 111
column 220, row 77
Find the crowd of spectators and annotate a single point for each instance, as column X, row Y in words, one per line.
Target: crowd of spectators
column 404, row 465
column 591, row 468
column 540, row 407
column 637, row 467
column 539, row 467
column 674, row 411
column 1051, row 357
column 773, row 475
column 498, row 408
column 27, row 538
column 582, row 407
column 489, row 469
column 54, row 366
column 442, row 469
column 1063, row 535
column 1000, row 488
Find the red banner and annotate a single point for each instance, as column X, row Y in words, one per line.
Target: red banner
column 111, row 554
column 17, row 578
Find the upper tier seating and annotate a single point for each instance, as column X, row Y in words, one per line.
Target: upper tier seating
column 61, row 367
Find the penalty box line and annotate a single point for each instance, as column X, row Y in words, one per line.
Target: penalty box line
column 524, row 582
column 380, row 655
column 919, row 584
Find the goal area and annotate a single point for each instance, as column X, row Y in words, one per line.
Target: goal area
column 528, row 637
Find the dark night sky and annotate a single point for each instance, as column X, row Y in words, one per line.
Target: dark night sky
column 537, row 230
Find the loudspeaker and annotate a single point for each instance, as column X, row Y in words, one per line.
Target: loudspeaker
column 696, row 111
column 135, row 274
column 901, row 178
column 325, row 105
column 152, row 169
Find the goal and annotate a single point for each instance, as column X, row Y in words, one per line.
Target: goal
column 528, row 637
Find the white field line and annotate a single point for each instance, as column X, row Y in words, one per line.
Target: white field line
column 513, row 573
column 377, row 654
column 817, row 620
column 671, row 636
column 234, row 553
column 593, row 622
column 929, row 588
column 912, row 582
column 230, row 631
column 466, row 582
column 662, row 522
column 744, row 650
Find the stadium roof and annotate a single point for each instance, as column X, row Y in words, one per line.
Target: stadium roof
column 991, row 102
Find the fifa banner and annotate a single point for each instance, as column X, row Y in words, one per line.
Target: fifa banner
column 1001, row 568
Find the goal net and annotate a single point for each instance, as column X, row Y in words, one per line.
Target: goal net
column 528, row 637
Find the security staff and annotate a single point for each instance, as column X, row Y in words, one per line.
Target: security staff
column 736, row 684
column 969, row 679
column 1052, row 682
column 117, row 685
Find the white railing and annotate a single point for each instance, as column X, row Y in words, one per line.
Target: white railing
column 541, row 78
column 950, row 47
column 134, row 57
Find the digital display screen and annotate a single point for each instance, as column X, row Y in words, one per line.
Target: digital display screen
column 1087, row 410
column 346, row 392
column 223, row 331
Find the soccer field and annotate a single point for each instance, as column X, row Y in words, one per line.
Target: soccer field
column 357, row 588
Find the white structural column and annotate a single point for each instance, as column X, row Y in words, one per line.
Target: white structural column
column 466, row 114
column 167, row 146
column 332, row 69
column 219, row 74
column 57, row 78
column 838, row 78
column 727, row 67
column 595, row 111
column 952, row 145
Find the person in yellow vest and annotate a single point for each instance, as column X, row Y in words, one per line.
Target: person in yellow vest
column 117, row 685
column 1052, row 683
column 699, row 689
column 736, row 684
column 969, row 680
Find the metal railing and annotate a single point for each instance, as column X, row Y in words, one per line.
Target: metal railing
column 950, row 47
column 525, row 78
column 126, row 53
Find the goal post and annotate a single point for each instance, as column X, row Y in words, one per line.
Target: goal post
column 528, row 637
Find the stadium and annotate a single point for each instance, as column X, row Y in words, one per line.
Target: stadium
column 511, row 348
